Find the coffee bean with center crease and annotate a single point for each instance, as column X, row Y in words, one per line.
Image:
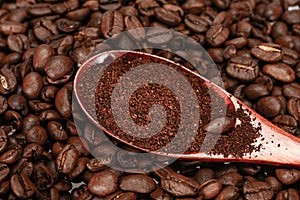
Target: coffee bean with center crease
column 280, row 71
column 3, row 104
column 286, row 176
column 19, row 103
column 268, row 52
column 257, row 190
column 22, row 186
column 290, row 193
column 167, row 16
column 4, row 171
column 67, row 159
column 228, row 192
column 139, row 183
column 112, row 23
column 286, row 122
column 242, row 68
column 159, row 36
column 210, row 189
column 63, row 101
column 134, row 27
column 32, row 85
column 269, row 106
column 198, row 24
column 8, row 80
column 216, row 35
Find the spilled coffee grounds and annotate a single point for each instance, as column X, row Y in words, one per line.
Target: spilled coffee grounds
column 235, row 139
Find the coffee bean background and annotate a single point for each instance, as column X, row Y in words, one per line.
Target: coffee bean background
column 255, row 43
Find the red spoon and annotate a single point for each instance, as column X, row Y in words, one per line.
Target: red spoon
column 287, row 153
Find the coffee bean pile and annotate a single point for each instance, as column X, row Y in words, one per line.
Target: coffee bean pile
column 255, row 43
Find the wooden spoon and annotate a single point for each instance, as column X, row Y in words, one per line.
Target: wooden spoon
column 277, row 146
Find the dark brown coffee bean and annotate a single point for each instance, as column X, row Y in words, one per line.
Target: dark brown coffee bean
column 96, row 165
column 290, row 56
column 38, row 106
column 296, row 29
column 56, row 131
column 103, row 183
column 204, row 175
column 286, row 176
column 256, row 91
column 275, row 184
column 290, row 193
column 269, row 106
column 237, row 42
column 4, row 171
column 241, row 68
column 19, row 103
column 217, row 54
column 191, row 6
column 67, row 26
column 42, row 53
column 4, row 187
column 11, row 155
column 139, row 183
column 177, row 184
column 272, row 11
column 257, row 190
column 8, row 80
column 48, row 92
column 286, row 122
column 280, row 71
column 63, row 101
column 168, row 16
column 289, row 90
column 78, row 14
column 268, row 52
column 59, row 69
column 219, row 125
column 44, row 29
column 3, row 104
column 13, row 118
column 228, row 192
column 112, row 23
column 18, row 42
column 231, row 178
column 79, row 167
column 291, row 16
column 37, row 134
column 13, row 27
column 32, row 151
column 210, row 189
column 80, row 145
column 3, row 140
column 198, row 24
column 293, row 107
column 147, row 7
column 67, row 159
column 216, row 35
column 279, row 29
column 221, row 4
column 122, row 196
column 32, row 85
column 22, row 186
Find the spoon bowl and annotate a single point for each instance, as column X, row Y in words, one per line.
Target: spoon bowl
column 276, row 146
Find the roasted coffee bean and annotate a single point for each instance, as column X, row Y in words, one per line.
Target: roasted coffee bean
column 242, row 68
column 3, row 140
column 216, row 35
column 280, row 71
column 18, row 103
column 269, row 106
column 204, row 175
column 8, row 80
column 168, row 15
column 257, row 190
column 11, row 155
column 59, row 69
column 66, row 25
column 18, row 42
column 290, row 56
column 139, row 183
column 4, row 171
column 103, row 183
column 79, row 167
column 191, row 6
column 56, row 131
column 13, row 118
column 42, row 53
column 287, row 177
column 272, row 11
column 256, row 91
column 38, row 106
column 275, row 184
column 210, row 189
column 228, row 192
column 67, row 159
column 44, row 29
column 32, row 151
column 37, row 134
column 231, row 178
column 147, row 7
column 78, row 14
column 3, row 104
column 112, row 23
column 293, row 107
column 289, row 90
column 219, row 125
column 22, row 186
column 8, row 28
column 32, row 85
column 288, row 194
column 122, row 195
column 291, row 16
column 80, row 145
column 99, row 164
column 198, row 24
column 63, row 101
column 268, row 52
column 48, row 92
column 286, row 122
